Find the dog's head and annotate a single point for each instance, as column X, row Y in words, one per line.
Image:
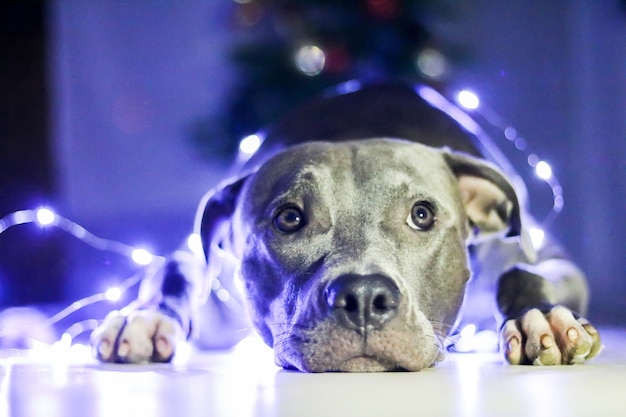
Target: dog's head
column 353, row 254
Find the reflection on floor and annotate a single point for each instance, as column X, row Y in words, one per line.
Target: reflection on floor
column 244, row 382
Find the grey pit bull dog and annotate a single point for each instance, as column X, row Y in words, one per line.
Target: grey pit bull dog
column 359, row 248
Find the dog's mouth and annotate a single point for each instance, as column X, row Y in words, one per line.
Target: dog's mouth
column 369, row 363
column 332, row 348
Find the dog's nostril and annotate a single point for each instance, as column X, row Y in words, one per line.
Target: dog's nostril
column 362, row 302
column 351, row 304
column 380, row 303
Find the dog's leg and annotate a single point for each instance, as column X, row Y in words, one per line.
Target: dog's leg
column 223, row 320
column 539, row 304
column 149, row 329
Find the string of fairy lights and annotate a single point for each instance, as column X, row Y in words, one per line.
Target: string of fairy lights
column 147, row 263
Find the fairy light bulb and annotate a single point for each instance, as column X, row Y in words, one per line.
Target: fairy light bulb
column 468, row 99
column 250, row 144
column 45, row 216
column 141, row 256
column 113, row 294
column 536, row 237
column 194, row 244
column 543, row 170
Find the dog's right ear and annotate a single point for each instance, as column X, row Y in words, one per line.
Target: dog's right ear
column 489, row 198
column 214, row 215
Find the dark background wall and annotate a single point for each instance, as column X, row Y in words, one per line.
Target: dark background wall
column 97, row 117
column 27, row 174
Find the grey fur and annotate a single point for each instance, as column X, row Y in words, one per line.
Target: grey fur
column 355, row 197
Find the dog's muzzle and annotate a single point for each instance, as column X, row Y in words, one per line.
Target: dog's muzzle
column 362, row 302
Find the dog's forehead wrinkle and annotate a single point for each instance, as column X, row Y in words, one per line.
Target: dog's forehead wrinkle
column 296, row 183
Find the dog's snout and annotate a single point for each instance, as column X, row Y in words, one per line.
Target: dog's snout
column 363, row 302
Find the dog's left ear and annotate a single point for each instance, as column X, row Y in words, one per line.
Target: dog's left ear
column 214, row 216
column 489, row 198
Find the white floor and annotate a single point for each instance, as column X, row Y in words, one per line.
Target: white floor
column 245, row 383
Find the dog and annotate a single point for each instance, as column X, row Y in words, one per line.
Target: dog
column 364, row 231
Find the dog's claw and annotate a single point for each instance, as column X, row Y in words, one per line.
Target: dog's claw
column 104, row 350
column 596, row 345
column 124, row 349
column 546, row 341
column 513, row 344
column 163, row 349
column 572, row 334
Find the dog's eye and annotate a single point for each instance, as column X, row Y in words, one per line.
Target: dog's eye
column 422, row 216
column 289, row 220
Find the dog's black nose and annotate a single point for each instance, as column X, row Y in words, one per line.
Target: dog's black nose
column 363, row 302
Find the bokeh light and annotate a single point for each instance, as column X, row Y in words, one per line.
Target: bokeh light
column 431, row 63
column 310, row 60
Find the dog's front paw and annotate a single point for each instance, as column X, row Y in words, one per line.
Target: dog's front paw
column 139, row 337
column 554, row 338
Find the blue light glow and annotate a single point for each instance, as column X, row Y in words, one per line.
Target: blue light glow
column 141, row 257
column 250, row 144
column 544, row 170
column 194, row 243
column 45, row 216
column 468, row 99
column 113, row 294
column 536, row 237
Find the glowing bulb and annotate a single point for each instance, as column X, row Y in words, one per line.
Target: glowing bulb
column 536, row 237
column 431, row 63
column 310, row 60
column 194, row 243
column 113, row 294
column 141, row 256
column 468, row 331
column 468, row 99
column 45, row 216
column 250, row 144
column 544, row 170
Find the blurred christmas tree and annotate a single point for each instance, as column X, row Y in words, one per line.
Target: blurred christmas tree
column 291, row 50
